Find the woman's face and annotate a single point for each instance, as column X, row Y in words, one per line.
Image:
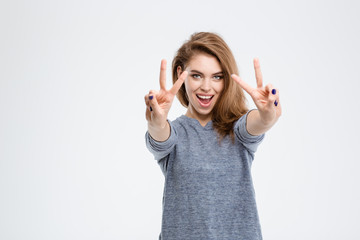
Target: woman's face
column 203, row 85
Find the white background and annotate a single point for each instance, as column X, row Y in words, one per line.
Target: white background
column 73, row 74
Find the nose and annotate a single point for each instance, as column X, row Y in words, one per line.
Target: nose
column 206, row 85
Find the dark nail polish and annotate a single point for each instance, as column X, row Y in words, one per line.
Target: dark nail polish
column 276, row 103
column 151, row 97
column 150, row 109
column 273, row 91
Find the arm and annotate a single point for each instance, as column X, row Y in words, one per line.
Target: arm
column 161, row 150
column 256, row 125
column 266, row 100
column 158, row 105
column 249, row 141
column 160, row 132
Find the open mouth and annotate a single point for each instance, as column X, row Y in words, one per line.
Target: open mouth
column 204, row 100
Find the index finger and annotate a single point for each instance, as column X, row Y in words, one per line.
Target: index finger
column 163, row 74
column 258, row 74
column 242, row 83
column 177, row 85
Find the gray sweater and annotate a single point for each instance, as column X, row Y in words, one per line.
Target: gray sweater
column 208, row 192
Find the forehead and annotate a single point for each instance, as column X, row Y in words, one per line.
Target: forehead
column 204, row 63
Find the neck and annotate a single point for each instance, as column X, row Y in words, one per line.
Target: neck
column 203, row 119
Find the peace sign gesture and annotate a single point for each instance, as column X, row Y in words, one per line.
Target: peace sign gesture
column 265, row 98
column 159, row 102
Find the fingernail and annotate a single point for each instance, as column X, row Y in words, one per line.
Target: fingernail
column 276, row 103
column 150, row 109
column 273, row 91
column 151, row 97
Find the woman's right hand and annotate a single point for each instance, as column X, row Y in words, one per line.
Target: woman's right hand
column 158, row 104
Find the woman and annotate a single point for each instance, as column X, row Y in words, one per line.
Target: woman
column 206, row 154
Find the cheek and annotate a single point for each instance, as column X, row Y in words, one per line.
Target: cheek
column 188, row 90
column 191, row 86
column 219, row 86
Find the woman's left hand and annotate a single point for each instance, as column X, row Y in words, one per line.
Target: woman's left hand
column 265, row 98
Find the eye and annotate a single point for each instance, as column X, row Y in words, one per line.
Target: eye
column 196, row 76
column 218, row 77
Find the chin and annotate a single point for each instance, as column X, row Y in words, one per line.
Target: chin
column 203, row 111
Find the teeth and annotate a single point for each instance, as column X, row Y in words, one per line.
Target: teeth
column 204, row 97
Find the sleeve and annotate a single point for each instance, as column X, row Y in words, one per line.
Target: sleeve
column 250, row 142
column 161, row 149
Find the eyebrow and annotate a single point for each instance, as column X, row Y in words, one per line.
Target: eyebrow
column 196, row 71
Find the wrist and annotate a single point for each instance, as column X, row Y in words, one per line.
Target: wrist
column 159, row 132
column 267, row 119
column 159, row 126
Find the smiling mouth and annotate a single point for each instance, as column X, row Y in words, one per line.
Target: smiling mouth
column 205, row 100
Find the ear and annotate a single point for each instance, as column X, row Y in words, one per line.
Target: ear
column 179, row 71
